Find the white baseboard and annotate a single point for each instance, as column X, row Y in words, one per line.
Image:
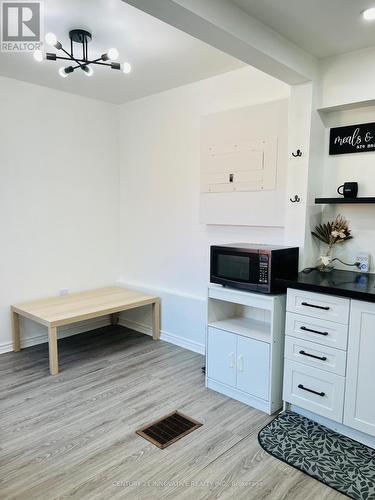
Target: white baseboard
column 167, row 337
column 62, row 332
column 183, row 316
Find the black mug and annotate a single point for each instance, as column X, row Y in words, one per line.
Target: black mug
column 349, row 189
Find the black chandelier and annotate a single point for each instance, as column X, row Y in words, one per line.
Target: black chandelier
column 82, row 37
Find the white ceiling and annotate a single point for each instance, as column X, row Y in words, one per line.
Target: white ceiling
column 321, row 27
column 162, row 57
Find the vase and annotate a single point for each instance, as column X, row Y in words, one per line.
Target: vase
column 325, row 261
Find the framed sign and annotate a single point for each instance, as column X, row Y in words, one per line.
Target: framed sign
column 352, row 139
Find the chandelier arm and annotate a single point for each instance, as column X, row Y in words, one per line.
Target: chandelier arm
column 78, row 66
column 70, row 56
column 100, row 63
column 94, row 61
column 64, row 58
column 84, row 63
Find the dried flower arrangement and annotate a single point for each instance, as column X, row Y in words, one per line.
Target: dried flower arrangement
column 332, row 233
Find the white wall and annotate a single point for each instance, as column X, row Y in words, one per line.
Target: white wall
column 348, row 78
column 59, row 197
column 164, row 249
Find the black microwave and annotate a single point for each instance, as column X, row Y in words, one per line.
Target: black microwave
column 253, row 267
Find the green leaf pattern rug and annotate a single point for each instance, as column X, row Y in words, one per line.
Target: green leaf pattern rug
column 334, row 459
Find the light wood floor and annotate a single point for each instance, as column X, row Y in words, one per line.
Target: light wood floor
column 73, row 435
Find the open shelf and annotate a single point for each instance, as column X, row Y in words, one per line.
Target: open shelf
column 240, row 325
column 347, row 201
column 347, row 106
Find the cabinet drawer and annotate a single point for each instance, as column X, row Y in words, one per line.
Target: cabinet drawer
column 317, row 330
column 318, row 305
column 315, row 355
column 315, row 390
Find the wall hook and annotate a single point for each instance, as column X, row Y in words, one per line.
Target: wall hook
column 297, row 153
column 297, row 199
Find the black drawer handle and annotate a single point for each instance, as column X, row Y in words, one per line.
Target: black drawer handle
column 305, row 329
column 322, row 358
column 322, row 394
column 325, row 308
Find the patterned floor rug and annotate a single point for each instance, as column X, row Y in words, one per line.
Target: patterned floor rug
column 333, row 459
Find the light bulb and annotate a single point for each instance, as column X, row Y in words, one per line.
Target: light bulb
column 126, row 67
column 51, row 38
column 62, row 72
column 38, row 55
column 112, row 54
column 369, row 14
column 88, row 70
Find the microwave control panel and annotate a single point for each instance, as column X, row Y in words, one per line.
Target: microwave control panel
column 263, row 268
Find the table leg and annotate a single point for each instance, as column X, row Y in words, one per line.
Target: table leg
column 16, row 332
column 52, row 346
column 115, row 318
column 156, row 320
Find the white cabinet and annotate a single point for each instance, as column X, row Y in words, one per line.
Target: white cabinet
column 253, row 359
column 245, row 341
column 359, row 411
column 222, row 363
column 330, row 360
column 239, row 362
column 315, row 352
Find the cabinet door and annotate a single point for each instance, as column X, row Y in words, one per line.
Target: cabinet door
column 253, row 367
column 359, row 411
column 221, row 356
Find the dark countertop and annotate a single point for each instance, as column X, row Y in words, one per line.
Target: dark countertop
column 359, row 286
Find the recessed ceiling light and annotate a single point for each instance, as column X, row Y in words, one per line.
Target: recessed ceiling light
column 369, row 14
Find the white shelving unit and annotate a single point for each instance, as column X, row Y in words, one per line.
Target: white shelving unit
column 245, row 346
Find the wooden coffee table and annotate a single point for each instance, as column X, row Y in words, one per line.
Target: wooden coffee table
column 58, row 311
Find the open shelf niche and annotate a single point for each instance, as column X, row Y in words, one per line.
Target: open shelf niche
column 245, row 313
column 240, row 319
